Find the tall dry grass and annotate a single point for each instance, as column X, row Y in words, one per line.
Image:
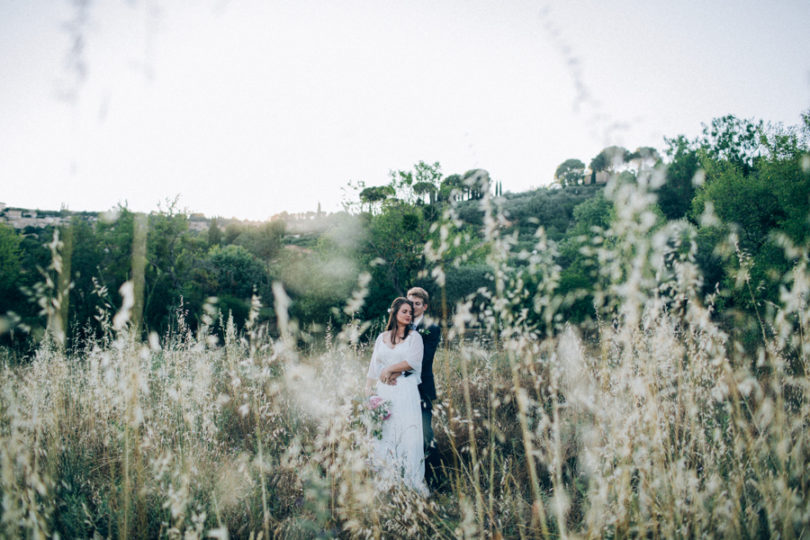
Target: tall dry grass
column 653, row 423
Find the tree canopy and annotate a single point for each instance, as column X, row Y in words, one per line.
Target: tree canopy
column 742, row 184
column 570, row 172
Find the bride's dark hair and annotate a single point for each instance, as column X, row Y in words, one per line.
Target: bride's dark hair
column 392, row 318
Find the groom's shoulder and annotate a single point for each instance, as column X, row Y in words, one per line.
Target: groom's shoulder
column 431, row 323
column 430, row 330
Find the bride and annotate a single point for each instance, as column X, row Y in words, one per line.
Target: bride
column 399, row 456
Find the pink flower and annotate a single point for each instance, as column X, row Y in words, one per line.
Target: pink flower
column 375, row 402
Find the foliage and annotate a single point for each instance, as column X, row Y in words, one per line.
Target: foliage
column 733, row 140
column 465, row 280
column 756, row 186
column 675, row 196
column 235, row 272
column 393, row 249
column 551, row 208
column 610, row 158
column 579, row 267
column 373, row 195
column 86, row 264
column 742, row 184
column 264, row 240
column 423, row 182
column 319, row 281
column 451, row 188
column 653, row 421
column 570, row 172
column 214, row 233
column 477, row 184
column 9, row 260
column 645, row 156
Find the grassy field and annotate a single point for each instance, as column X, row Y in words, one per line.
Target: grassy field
column 656, row 423
column 654, row 431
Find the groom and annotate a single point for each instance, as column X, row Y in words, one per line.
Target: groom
column 427, row 389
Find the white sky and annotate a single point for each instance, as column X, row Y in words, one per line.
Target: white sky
column 250, row 108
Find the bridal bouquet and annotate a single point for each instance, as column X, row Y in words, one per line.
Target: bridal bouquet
column 372, row 414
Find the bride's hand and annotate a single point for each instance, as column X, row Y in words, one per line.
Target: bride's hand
column 389, row 377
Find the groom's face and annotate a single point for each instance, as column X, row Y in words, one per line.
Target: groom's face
column 418, row 306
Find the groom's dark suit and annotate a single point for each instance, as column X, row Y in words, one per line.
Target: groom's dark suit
column 431, row 334
column 430, row 339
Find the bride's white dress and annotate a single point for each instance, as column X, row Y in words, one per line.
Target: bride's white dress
column 399, row 456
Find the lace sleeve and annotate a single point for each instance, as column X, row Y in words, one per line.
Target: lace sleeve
column 416, row 350
column 374, row 366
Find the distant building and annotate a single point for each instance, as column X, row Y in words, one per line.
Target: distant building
column 20, row 218
column 198, row 222
column 600, row 177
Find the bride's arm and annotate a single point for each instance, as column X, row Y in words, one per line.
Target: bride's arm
column 371, row 374
column 416, row 349
column 390, row 373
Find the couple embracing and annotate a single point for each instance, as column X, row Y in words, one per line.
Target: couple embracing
column 401, row 372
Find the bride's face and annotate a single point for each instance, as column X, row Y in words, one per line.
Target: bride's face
column 404, row 315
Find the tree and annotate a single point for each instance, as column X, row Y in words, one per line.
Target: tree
column 412, row 185
column 115, row 234
column 374, row 195
column 644, row 157
column 173, row 254
column 233, row 274
column 450, row 185
column 396, row 238
column 675, row 196
column 570, row 172
column 236, row 272
column 786, row 174
column 734, row 140
column 609, row 159
column 429, row 177
column 214, row 233
column 33, row 256
column 578, row 275
column 758, row 187
column 9, row 263
column 85, row 267
column 265, row 240
column 232, row 232
column 320, row 280
column 425, row 188
column 477, row 183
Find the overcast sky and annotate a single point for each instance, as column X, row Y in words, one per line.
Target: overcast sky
column 250, row 108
